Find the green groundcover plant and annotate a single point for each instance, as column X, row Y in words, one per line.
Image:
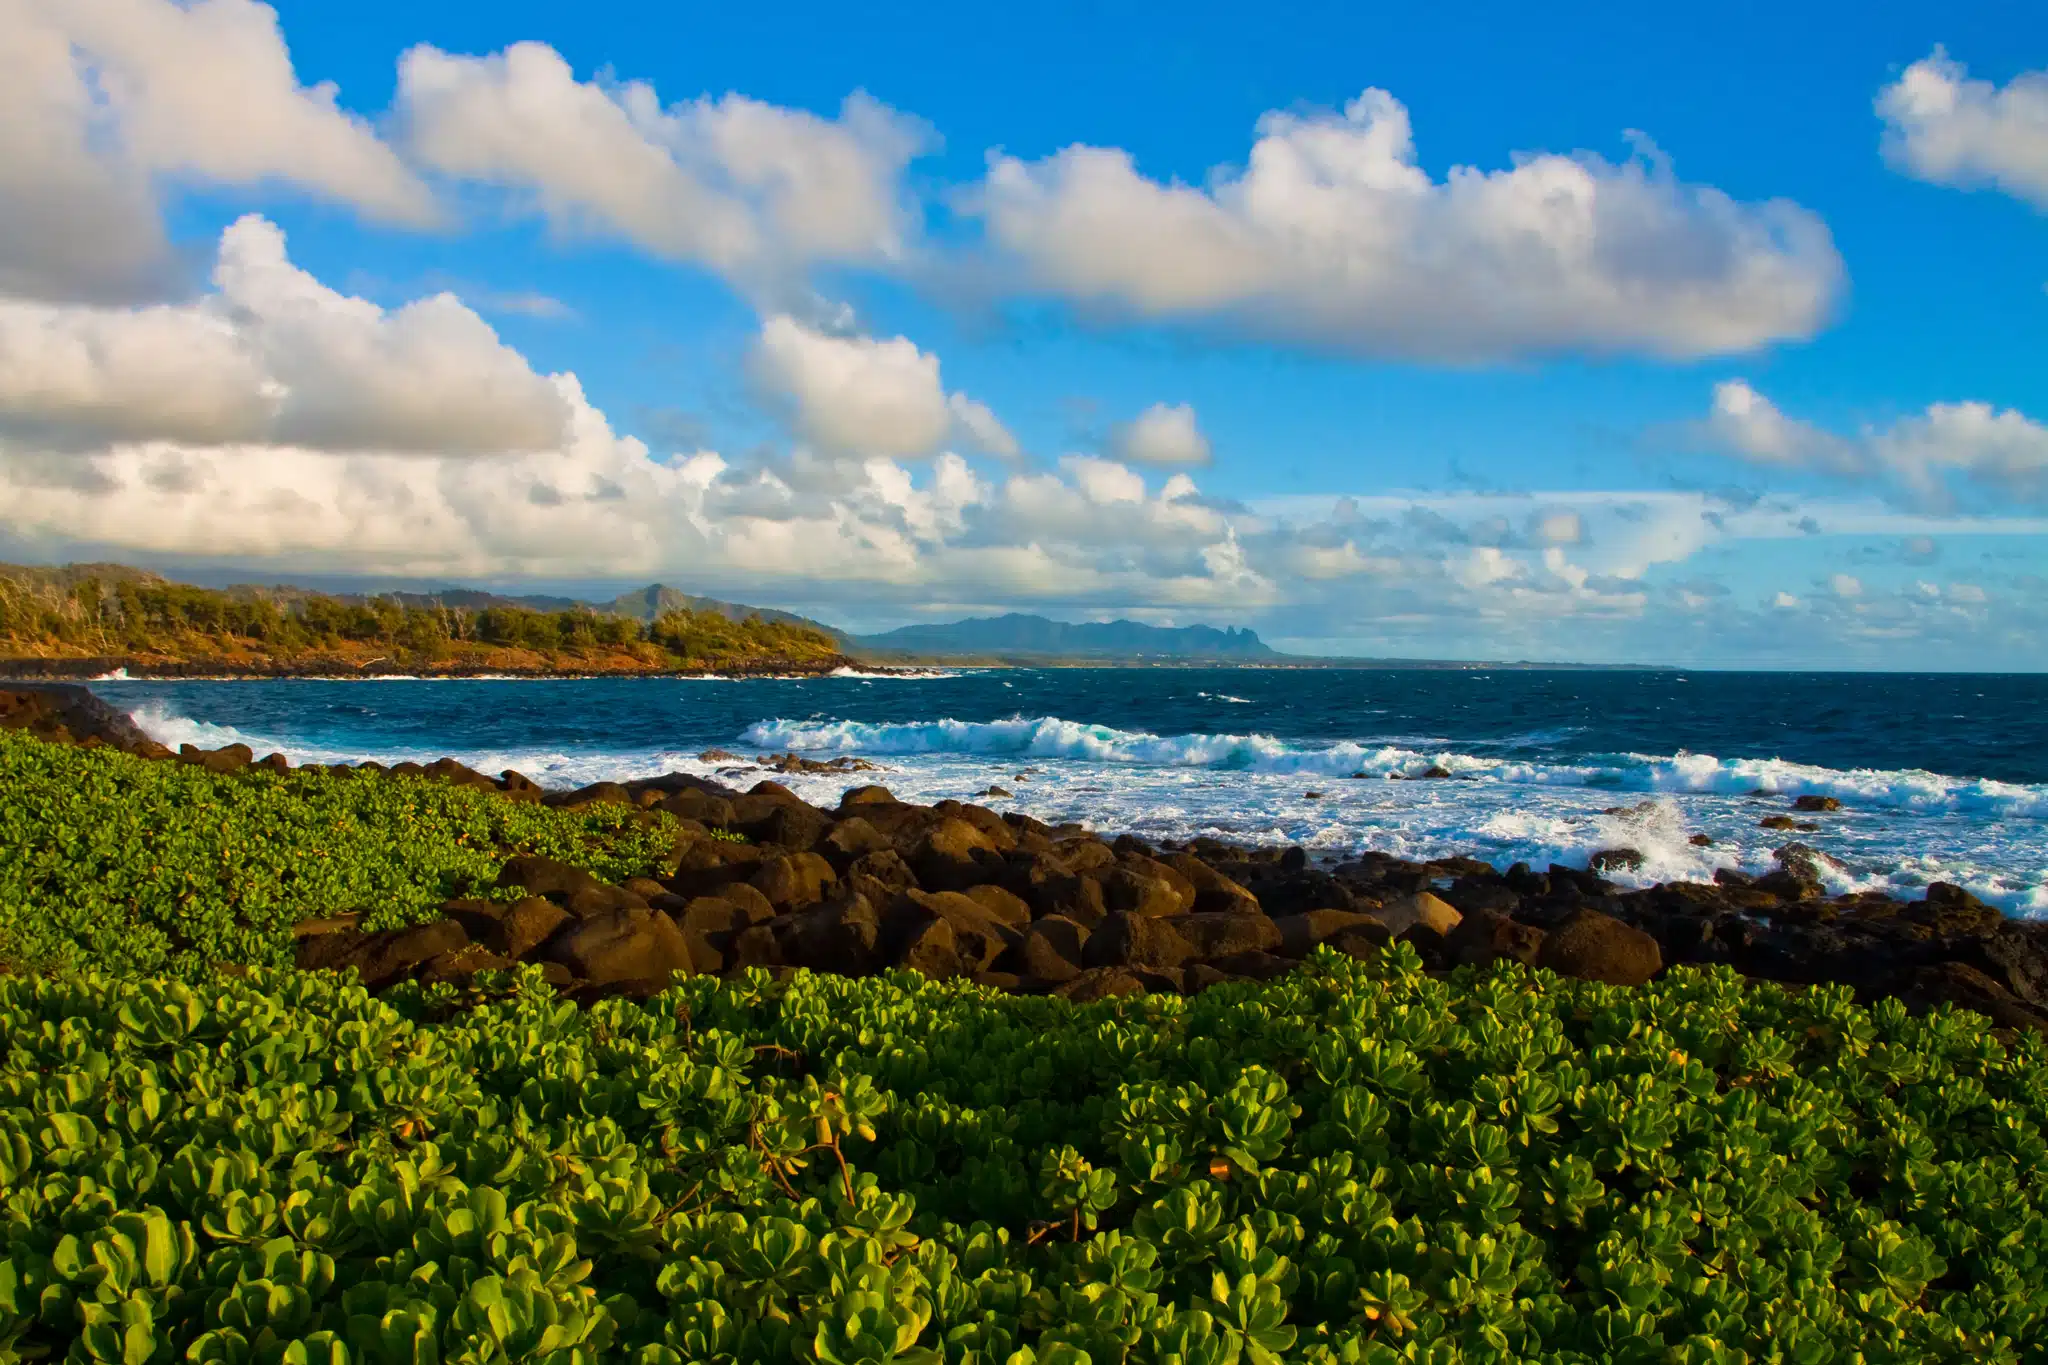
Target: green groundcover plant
column 1357, row 1164
column 118, row 862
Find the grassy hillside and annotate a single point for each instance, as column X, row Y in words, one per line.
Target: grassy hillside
column 107, row 612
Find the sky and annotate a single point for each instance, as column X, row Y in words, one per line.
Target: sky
column 1590, row 333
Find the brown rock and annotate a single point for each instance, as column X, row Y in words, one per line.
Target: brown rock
column 719, row 915
column 869, row 795
column 622, row 945
column 545, row 877
column 1216, row 936
column 460, row 964
column 383, row 957
column 1053, row 888
column 1422, row 909
column 602, row 899
column 1004, row 907
column 1213, row 892
column 790, row 825
column 1485, row 936
column 979, row 939
column 755, row 946
column 1052, row 949
column 851, row 838
column 933, row 950
column 1299, row 934
column 794, row 880
column 885, row 866
column 1256, row 966
column 843, row 935
column 1126, row 940
column 953, row 855
column 1362, row 941
column 1822, row 803
column 1101, row 983
column 1597, row 947
column 713, row 812
column 1786, row 822
column 1128, row 891
column 1959, row 984
column 527, row 924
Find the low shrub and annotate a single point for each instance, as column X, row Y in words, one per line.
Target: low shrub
column 126, row 864
column 1357, row 1165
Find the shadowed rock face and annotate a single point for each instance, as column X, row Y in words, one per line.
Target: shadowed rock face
column 959, row 890
column 67, row 713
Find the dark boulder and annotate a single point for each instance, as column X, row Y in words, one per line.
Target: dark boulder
column 624, row 944
column 1126, row 940
column 1299, row 934
column 1483, row 937
column 843, row 935
column 1222, row 935
column 525, row 925
column 1597, row 947
column 1052, row 949
column 792, row 881
column 1616, row 860
column 1100, row 983
column 1822, row 803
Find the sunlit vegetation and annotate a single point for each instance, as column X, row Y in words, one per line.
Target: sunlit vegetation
column 1357, row 1164
column 107, row 612
column 123, row 863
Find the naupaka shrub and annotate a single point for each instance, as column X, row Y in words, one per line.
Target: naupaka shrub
column 1357, row 1164
column 118, row 862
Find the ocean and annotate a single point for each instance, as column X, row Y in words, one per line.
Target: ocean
column 1942, row 777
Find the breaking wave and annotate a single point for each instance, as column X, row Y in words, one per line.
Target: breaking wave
column 1049, row 737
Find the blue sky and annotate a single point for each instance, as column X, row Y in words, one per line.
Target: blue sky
column 1595, row 333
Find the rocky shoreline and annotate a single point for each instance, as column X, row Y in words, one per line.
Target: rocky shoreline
column 760, row 879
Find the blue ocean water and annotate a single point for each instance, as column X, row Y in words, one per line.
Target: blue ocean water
column 1941, row 776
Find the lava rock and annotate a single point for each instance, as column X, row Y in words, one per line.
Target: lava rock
column 1597, row 947
column 1128, row 940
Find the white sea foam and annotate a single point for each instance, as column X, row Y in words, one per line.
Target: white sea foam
column 1898, row 831
column 1049, row 737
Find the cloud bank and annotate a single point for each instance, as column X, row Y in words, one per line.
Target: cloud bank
column 1332, row 236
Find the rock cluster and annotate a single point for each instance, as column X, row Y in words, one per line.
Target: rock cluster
column 958, row 890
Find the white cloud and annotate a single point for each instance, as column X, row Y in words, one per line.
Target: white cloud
column 100, row 98
column 751, row 190
column 979, row 427
column 1784, row 601
column 1163, row 435
column 272, row 356
column 1999, row 455
column 1845, row 585
column 1333, row 236
column 1943, row 127
column 867, row 396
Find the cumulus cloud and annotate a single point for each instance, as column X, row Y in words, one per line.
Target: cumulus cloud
column 99, row 99
column 749, row 189
column 1947, row 455
column 271, row 356
column 868, row 396
column 1332, row 235
column 1943, row 127
column 1162, row 435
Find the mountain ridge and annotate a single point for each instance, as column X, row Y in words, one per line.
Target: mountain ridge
column 1020, row 633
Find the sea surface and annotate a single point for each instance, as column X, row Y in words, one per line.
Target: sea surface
column 1941, row 777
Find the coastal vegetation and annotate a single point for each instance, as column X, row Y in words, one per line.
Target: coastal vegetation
column 118, row 617
column 763, row 1088
column 1359, row 1164
column 111, row 860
